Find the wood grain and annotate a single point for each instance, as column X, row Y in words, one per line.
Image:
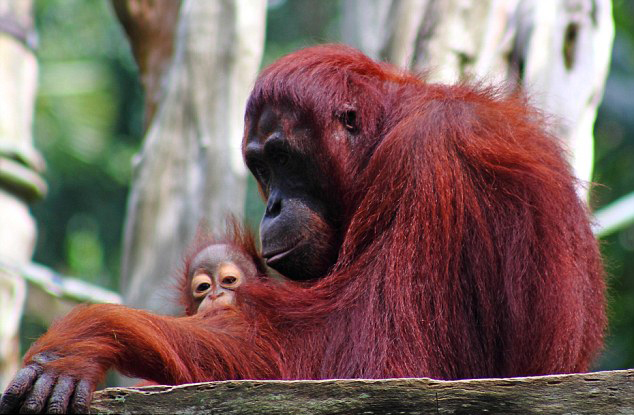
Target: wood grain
column 589, row 393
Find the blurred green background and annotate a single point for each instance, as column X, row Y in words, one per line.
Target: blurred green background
column 88, row 125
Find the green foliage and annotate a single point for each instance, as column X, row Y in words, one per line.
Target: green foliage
column 88, row 125
column 614, row 142
column 294, row 24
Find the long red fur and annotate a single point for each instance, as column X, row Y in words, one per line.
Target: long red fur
column 467, row 252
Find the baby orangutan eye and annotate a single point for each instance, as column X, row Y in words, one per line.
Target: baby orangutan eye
column 203, row 287
column 201, row 284
column 229, row 280
column 229, row 276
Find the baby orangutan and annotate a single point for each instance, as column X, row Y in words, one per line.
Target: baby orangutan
column 214, row 273
column 216, row 267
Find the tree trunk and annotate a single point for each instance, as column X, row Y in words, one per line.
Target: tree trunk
column 20, row 165
column 150, row 27
column 190, row 168
column 559, row 51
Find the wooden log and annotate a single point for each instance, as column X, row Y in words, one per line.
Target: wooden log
column 587, row 393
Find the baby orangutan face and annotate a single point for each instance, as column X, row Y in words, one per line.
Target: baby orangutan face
column 215, row 273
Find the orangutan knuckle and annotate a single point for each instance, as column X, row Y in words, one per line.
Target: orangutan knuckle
column 56, row 407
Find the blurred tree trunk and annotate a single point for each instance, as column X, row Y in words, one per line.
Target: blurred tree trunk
column 558, row 50
column 20, row 164
column 190, row 166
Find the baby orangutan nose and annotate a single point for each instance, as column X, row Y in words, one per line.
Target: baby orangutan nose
column 216, row 300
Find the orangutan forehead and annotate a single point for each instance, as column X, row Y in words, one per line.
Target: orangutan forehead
column 274, row 118
column 214, row 255
column 315, row 76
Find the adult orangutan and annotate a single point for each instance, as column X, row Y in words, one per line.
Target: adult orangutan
column 437, row 230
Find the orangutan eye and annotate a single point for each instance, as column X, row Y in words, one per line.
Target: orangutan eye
column 261, row 173
column 349, row 121
column 281, row 159
column 203, row 287
column 201, row 283
column 229, row 280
